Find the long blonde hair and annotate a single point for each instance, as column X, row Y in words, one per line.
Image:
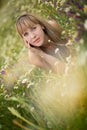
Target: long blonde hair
column 28, row 20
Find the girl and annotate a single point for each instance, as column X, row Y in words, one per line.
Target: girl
column 46, row 47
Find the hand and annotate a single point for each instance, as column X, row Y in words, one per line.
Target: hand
column 37, row 51
column 35, row 56
column 33, row 49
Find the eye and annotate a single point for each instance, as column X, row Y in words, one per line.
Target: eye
column 26, row 34
column 34, row 27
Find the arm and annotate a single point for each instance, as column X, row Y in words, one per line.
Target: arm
column 38, row 60
column 57, row 66
column 46, row 61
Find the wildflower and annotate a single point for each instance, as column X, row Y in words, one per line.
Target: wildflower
column 77, row 16
column 3, row 72
column 85, row 8
column 81, row 41
column 78, row 5
column 54, row 3
column 15, row 87
column 56, row 50
column 23, row 93
column 60, row 11
column 69, row 42
column 6, row 96
column 71, row 19
column 32, row 109
column 18, row 105
column 80, row 24
column 85, row 24
column 24, row 81
column 67, row 9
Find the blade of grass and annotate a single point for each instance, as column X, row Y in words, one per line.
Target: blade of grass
column 16, row 113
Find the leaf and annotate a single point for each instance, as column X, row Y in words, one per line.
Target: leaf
column 16, row 113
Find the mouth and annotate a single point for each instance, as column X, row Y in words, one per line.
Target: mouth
column 37, row 40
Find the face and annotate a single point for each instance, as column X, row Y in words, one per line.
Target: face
column 34, row 36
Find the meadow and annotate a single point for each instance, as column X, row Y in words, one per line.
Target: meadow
column 32, row 98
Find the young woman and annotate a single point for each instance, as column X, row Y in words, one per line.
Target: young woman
column 46, row 47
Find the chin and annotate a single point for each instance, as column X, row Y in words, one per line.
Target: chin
column 39, row 44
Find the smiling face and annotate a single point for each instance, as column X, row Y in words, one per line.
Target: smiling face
column 31, row 31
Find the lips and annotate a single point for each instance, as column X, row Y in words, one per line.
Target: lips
column 37, row 40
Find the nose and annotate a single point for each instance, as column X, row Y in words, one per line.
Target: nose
column 32, row 35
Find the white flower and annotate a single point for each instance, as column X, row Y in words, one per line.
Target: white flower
column 18, row 105
column 69, row 42
column 78, row 14
column 15, row 87
column 24, row 81
column 85, row 8
column 85, row 24
column 67, row 9
column 32, row 109
column 81, row 41
column 24, row 94
column 56, row 50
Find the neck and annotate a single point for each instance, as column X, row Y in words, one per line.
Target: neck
column 47, row 42
column 48, row 46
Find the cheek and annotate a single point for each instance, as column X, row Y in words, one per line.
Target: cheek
column 41, row 33
column 25, row 39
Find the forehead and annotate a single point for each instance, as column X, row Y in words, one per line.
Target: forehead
column 25, row 22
